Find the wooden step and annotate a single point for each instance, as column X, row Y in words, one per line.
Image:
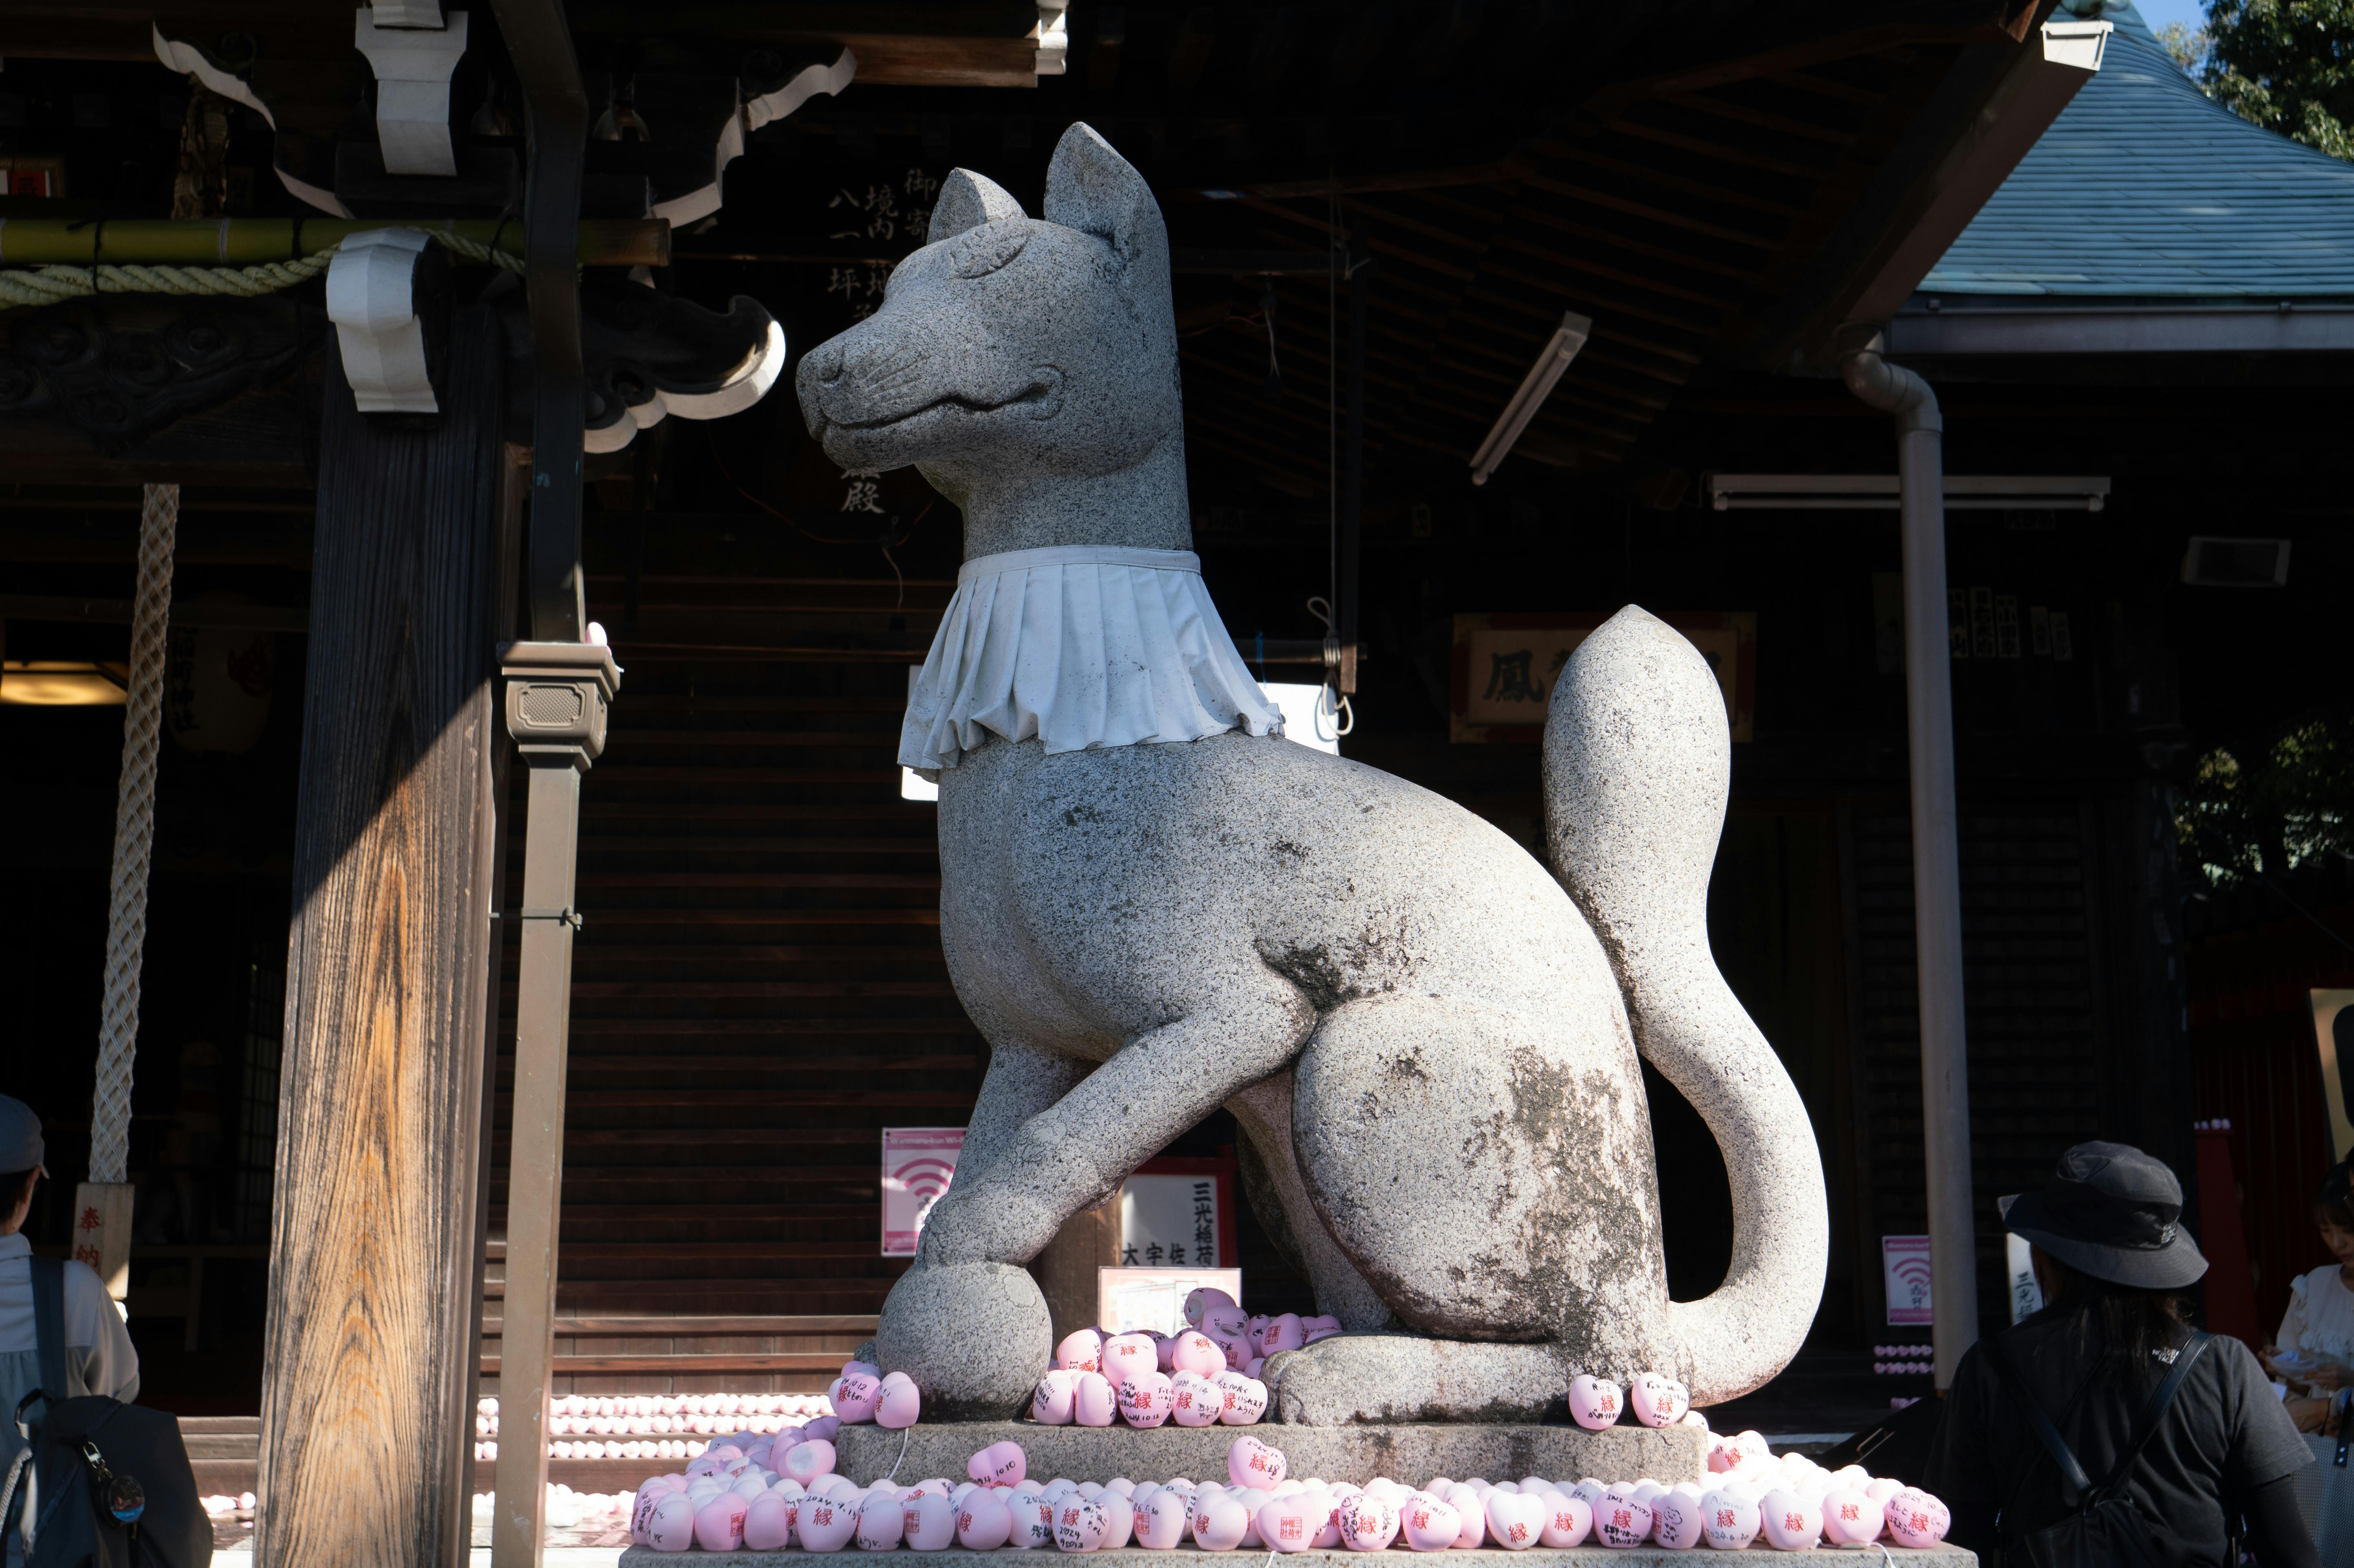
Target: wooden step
column 597, row 1186
column 828, row 839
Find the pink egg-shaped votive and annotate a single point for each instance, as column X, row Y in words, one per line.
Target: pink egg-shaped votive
column 1289, row 1523
column 768, row 1522
column 1430, row 1523
column 1676, row 1519
column 1160, row 1524
column 1199, row 1300
column 1081, row 1350
column 1054, row 1402
column 1658, row 1400
column 1126, row 1354
column 1917, row 1518
column 719, row 1523
column 1093, row 1401
column 1850, row 1518
column 984, row 1523
column 896, row 1402
column 804, row 1462
column 1146, row 1398
column 1245, row 1402
column 823, row 1524
column 1002, row 1464
column 671, row 1527
column 1369, row 1521
column 1623, row 1521
column 1194, row 1400
column 1729, row 1520
column 855, row 1398
column 1568, row 1521
column 1594, row 1402
column 1788, row 1521
column 1080, row 1524
column 1195, row 1352
column 1220, row 1523
column 1033, row 1520
column 1251, row 1462
column 928, row 1524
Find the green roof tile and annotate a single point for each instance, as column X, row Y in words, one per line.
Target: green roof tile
column 2145, row 188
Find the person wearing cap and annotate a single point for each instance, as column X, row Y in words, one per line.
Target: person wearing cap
column 2113, row 1257
column 99, row 1357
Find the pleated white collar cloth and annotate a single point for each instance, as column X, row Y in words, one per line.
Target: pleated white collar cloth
column 1079, row 646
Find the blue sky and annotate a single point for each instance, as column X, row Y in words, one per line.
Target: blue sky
column 2158, row 12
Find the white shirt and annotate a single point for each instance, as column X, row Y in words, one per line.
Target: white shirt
column 99, row 1356
column 2321, row 1318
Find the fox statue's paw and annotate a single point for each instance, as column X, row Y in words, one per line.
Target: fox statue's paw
column 1403, row 1377
column 975, row 1337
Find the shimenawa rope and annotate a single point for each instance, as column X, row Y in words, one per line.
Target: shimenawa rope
column 51, row 284
column 134, row 836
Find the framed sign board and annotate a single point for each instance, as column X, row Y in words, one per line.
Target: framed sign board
column 1153, row 1300
column 1177, row 1212
column 918, row 1163
column 1904, row 1273
column 1505, row 666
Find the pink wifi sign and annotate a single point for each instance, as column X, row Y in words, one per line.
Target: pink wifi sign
column 1905, row 1271
column 918, row 1163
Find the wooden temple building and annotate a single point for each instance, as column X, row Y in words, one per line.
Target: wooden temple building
column 2137, row 312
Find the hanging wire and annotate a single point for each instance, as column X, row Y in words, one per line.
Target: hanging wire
column 1328, row 698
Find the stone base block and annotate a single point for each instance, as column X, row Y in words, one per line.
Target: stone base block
column 1192, row 1557
column 1410, row 1455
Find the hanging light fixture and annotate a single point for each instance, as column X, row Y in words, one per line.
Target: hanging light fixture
column 1535, row 387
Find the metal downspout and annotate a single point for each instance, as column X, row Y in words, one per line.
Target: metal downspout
column 1936, row 860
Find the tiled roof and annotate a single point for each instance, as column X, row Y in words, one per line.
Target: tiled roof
column 2144, row 187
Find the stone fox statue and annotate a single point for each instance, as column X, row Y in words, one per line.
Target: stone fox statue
column 1153, row 904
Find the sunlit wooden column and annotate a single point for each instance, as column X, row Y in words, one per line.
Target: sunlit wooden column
column 366, row 1424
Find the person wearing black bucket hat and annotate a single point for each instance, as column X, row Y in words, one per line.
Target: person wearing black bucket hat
column 2112, row 1256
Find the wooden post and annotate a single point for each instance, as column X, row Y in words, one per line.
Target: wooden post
column 557, row 698
column 366, row 1436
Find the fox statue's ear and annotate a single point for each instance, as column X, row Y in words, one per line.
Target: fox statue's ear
column 1091, row 189
column 968, row 200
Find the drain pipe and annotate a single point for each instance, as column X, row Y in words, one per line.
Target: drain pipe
column 1936, row 860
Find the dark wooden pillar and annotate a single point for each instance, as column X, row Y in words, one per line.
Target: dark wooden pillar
column 367, row 1427
column 1066, row 1270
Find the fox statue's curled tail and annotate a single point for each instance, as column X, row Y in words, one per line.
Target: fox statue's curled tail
column 1638, row 766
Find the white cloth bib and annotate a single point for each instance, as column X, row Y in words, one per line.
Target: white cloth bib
column 1079, row 646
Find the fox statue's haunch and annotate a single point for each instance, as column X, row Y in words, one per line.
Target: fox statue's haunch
column 1430, row 1043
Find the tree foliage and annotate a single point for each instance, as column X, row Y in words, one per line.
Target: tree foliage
column 2287, row 65
column 2288, row 802
column 2188, row 47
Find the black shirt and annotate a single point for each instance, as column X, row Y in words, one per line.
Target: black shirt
column 2224, row 1436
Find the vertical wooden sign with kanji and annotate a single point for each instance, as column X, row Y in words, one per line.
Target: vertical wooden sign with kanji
column 101, row 1233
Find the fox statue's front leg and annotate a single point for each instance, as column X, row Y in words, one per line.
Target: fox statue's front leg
column 967, row 1322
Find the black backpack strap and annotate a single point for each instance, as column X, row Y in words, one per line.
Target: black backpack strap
column 2054, row 1445
column 49, row 1322
column 2159, row 1399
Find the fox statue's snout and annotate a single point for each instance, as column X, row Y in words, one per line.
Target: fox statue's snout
column 1051, row 338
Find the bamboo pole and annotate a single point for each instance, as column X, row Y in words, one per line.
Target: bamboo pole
column 246, row 241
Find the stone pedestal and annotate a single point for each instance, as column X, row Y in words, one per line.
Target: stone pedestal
column 1410, row 1455
column 1192, row 1557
